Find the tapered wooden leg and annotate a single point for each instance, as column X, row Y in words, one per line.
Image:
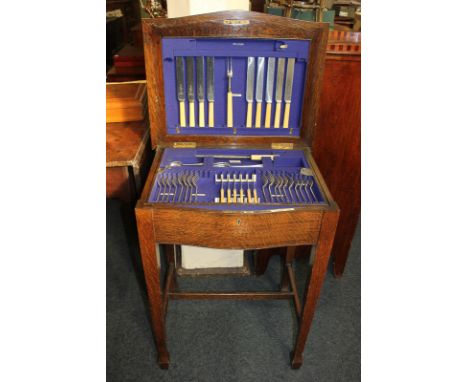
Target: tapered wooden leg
column 170, row 257
column 150, row 256
column 290, row 253
column 319, row 270
column 262, row 259
column 344, row 236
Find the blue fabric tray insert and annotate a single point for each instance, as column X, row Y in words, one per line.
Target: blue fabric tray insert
column 239, row 50
column 289, row 162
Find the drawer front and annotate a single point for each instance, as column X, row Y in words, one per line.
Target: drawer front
column 236, row 231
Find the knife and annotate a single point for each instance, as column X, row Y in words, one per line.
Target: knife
column 288, row 91
column 191, row 90
column 253, row 157
column 249, row 89
column 200, row 92
column 210, row 89
column 269, row 90
column 279, row 91
column 180, row 77
column 259, row 90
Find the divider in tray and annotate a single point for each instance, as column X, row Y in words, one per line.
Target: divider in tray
column 233, row 158
column 278, row 178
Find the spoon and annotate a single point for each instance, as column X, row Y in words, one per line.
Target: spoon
column 227, row 164
column 178, row 163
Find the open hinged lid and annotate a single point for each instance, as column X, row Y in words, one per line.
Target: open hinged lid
column 233, row 78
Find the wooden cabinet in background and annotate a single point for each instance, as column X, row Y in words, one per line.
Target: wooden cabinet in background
column 125, row 102
column 337, row 141
column 128, row 156
column 337, row 144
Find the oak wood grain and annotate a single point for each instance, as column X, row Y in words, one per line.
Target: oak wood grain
column 217, row 229
column 317, row 276
column 151, row 265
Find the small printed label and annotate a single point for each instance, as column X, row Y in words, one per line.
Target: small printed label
column 236, row 22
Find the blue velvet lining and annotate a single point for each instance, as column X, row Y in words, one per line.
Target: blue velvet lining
column 288, row 164
column 239, row 50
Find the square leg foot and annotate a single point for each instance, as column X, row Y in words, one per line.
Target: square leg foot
column 163, row 362
column 337, row 270
column 296, row 361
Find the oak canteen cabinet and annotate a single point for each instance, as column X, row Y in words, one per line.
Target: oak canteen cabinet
column 233, row 101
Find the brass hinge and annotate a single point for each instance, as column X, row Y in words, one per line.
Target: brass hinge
column 282, row 146
column 185, row 145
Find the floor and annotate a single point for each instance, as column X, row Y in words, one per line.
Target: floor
column 227, row 340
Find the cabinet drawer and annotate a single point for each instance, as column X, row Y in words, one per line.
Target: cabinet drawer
column 236, row 230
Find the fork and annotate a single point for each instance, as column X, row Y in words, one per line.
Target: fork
column 229, row 92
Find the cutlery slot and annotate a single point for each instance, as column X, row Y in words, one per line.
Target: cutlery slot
column 249, row 179
column 187, row 100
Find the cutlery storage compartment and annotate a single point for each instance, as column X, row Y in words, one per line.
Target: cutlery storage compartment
column 195, row 68
column 236, row 179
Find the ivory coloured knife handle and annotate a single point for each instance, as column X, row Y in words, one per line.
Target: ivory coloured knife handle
column 258, row 115
column 277, row 114
column 211, row 114
column 287, row 108
column 192, row 114
column 248, row 120
column 201, row 114
column 222, row 194
column 268, row 115
column 249, row 196
column 229, row 109
column 234, row 195
column 255, row 196
column 261, row 156
column 229, row 195
column 182, row 114
column 242, row 195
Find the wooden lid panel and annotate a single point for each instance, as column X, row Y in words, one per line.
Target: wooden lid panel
column 233, row 25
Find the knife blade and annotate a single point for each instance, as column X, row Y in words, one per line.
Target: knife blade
column 249, row 89
column 259, row 90
column 269, row 90
column 279, row 90
column 210, row 89
column 253, row 157
column 201, row 91
column 191, row 89
column 288, row 91
column 180, row 78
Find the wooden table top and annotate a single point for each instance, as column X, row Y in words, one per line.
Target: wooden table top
column 125, row 143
